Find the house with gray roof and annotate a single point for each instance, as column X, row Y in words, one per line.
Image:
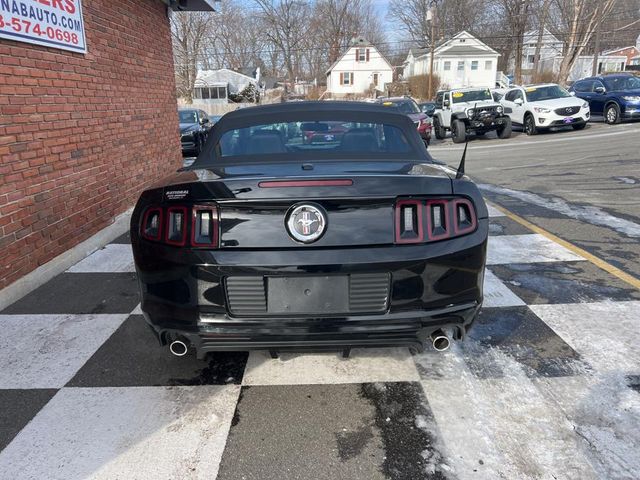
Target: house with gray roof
column 461, row 61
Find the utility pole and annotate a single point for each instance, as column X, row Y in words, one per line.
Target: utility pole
column 431, row 15
column 594, row 69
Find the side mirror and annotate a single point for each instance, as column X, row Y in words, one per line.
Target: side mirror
column 204, row 121
column 518, row 101
column 572, row 93
column 445, row 102
column 600, row 90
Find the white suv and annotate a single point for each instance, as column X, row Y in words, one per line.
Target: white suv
column 548, row 105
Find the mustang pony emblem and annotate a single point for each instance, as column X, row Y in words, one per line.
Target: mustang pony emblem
column 306, row 223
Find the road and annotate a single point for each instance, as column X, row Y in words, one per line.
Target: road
column 582, row 186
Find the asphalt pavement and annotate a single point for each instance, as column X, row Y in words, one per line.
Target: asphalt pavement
column 583, row 186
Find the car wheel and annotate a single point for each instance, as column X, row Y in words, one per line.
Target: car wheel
column 612, row 114
column 580, row 126
column 438, row 129
column 530, row 125
column 458, row 131
column 505, row 130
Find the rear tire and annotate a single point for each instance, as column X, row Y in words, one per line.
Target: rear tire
column 504, row 131
column 438, row 129
column 612, row 114
column 579, row 127
column 530, row 125
column 458, row 131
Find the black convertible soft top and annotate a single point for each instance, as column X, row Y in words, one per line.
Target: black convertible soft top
column 310, row 111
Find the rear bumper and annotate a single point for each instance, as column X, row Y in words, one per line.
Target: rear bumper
column 432, row 286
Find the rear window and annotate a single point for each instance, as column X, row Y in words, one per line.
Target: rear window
column 296, row 139
column 405, row 106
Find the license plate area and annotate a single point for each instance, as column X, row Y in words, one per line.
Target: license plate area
column 308, row 294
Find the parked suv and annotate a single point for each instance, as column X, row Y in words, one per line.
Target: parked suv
column 615, row 97
column 538, row 107
column 467, row 111
column 409, row 107
column 194, row 128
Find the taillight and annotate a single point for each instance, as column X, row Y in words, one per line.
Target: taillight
column 409, row 221
column 170, row 225
column 204, row 226
column 442, row 218
column 176, row 231
column 152, row 224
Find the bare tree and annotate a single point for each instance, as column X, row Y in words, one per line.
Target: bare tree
column 580, row 19
column 189, row 31
column 285, row 23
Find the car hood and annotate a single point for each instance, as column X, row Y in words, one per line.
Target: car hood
column 559, row 103
column 188, row 127
column 416, row 117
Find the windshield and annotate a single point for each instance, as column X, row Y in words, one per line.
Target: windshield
column 549, row 92
column 188, row 116
column 622, row 83
column 299, row 139
column 471, row 96
column 405, row 106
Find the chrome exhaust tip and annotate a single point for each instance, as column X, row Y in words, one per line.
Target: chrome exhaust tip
column 178, row 348
column 440, row 341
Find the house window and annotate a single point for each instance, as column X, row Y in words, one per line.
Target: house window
column 362, row 54
column 531, row 59
column 447, row 65
column 375, row 79
column 206, row 93
column 461, row 65
column 474, row 65
column 488, row 64
column 346, row 78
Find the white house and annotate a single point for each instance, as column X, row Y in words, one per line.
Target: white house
column 462, row 61
column 357, row 70
column 214, row 86
column 550, row 47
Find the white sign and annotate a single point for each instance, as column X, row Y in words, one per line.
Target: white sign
column 53, row 23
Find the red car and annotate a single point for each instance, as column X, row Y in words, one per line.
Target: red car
column 410, row 108
column 323, row 132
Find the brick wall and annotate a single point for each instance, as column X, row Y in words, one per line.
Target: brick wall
column 81, row 135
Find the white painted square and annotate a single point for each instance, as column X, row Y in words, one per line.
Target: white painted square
column 363, row 366
column 529, row 248
column 113, row 258
column 127, row 433
column 45, row 351
column 137, row 310
column 497, row 294
column 606, row 334
column 494, row 212
column 502, row 428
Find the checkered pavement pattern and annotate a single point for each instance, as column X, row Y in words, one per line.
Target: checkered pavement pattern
column 547, row 385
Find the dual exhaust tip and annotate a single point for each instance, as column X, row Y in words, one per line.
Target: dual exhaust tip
column 439, row 339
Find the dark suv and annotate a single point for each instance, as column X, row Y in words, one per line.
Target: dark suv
column 194, row 128
column 615, row 97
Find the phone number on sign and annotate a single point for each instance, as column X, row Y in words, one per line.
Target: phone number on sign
column 19, row 25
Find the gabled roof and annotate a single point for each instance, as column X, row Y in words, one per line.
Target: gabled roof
column 211, row 77
column 613, row 50
column 463, row 37
column 547, row 36
column 356, row 43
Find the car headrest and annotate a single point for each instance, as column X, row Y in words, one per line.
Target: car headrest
column 266, row 141
column 359, row 140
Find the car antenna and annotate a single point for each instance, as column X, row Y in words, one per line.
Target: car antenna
column 460, row 172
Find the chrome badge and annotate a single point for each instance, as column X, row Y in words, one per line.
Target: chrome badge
column 306, row 223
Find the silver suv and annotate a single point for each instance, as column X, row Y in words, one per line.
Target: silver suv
column 467, row 111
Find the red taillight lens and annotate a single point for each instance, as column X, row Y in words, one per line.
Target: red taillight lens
column 170, row 225
column 444, row 218
column 409, row 221
column 151, row 228
column 204, row 226
column 176, row 229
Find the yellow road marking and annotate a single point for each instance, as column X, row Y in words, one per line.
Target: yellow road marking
column 607, row 267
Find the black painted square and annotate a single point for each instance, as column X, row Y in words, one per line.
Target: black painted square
column 563, row 282
column 125, row 238
column 133, row 357
column 506, row 226
column 520, row 334
column 372, row 431
column 17, row 408
column 81, row 293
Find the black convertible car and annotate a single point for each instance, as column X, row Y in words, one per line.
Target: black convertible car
column 270, row 242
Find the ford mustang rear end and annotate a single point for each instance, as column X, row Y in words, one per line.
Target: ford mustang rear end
column 272, row 242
